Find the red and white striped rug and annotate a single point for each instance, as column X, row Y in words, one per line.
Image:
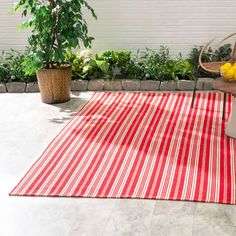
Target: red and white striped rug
column 140, row 145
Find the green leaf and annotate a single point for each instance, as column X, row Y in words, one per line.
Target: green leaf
column 55, row 28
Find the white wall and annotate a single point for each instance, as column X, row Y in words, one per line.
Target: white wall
column 133, row 24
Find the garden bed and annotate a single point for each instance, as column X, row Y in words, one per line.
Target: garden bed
column 116, row 85
column 146, row 70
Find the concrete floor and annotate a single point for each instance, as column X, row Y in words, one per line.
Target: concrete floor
column 26, row 128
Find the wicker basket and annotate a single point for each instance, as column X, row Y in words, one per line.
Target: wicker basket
column 214, row 67
column 55, row 84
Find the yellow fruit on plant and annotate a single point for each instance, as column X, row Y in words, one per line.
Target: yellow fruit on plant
column 229, row 74
column 227, row 66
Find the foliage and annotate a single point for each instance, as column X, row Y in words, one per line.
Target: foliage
column 56, row 26
column 135, row 68
column 113, row 63
column 99, row 68
column 15, row 61
column 181, row 69
column 77, row 64
column 11, row 67
column 107, row 65
column 85, row 65
column 147, row 64
column 159, row 66
column 4, row 69
column 220, row 54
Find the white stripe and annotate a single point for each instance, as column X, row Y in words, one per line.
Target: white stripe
column 147, row 166
column 55, row 156
column 69, row 155
column 233, row 174
column 44, row 159
column 203, row 112
column 173, row 150
column 218, row 148
column 125, row 167
column 192, row 155
column 155, row 149
column 129, row 169
column 214, row 132
column 137, row 138
column 79, row 174
column 142, row 173
column 162, row 128
column 205, row 100
column 149, row 112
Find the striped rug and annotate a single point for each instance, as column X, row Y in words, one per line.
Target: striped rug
column 140, row 145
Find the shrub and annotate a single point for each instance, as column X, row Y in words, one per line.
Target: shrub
column 77, row 64
column 84, row 65
column 11, row 67
column 15, row 60
column 159, row 66
column 116, row 61
column 181, row 69
column 147, row 64
column 98, row 68
column 134, row 68
column 107, row 65
column 4, row 69
column 210, row 55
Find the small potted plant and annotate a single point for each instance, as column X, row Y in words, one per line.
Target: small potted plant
column 57, row 25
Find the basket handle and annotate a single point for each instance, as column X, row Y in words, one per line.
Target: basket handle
column 233, row 54
column 201, row 54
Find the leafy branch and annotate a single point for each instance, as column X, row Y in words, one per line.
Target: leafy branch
column 56, row 26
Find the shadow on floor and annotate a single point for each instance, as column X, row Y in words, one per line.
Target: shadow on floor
column 70, row 109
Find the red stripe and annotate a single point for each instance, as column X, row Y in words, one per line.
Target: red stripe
column 140, row 145
column 60, row 151
column 90, row 107
column 206, row 154
column 183, row 157
column 222, row 170
column 228, row 158
column 156, row 176
column 123, row 114
column 194, row 154
column 169, row 167
column 133, row 176
column 201, row 161
column 213, row 158
column 61, row 182
column 119, row 159
column 88, row 176
column 113, row 137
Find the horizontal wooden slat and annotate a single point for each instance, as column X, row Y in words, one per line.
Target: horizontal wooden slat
column 180, row 24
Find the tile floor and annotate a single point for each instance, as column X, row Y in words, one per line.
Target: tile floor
column 26, row 128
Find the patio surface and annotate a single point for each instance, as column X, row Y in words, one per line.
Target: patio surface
column 26, row 128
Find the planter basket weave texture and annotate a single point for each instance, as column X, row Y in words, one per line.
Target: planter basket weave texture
column 54, row 84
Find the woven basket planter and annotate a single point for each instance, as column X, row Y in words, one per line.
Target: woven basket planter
column 55, row 85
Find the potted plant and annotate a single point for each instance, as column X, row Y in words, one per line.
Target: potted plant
column 57, row 25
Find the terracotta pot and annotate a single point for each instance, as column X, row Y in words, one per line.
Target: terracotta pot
column 55, row 84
